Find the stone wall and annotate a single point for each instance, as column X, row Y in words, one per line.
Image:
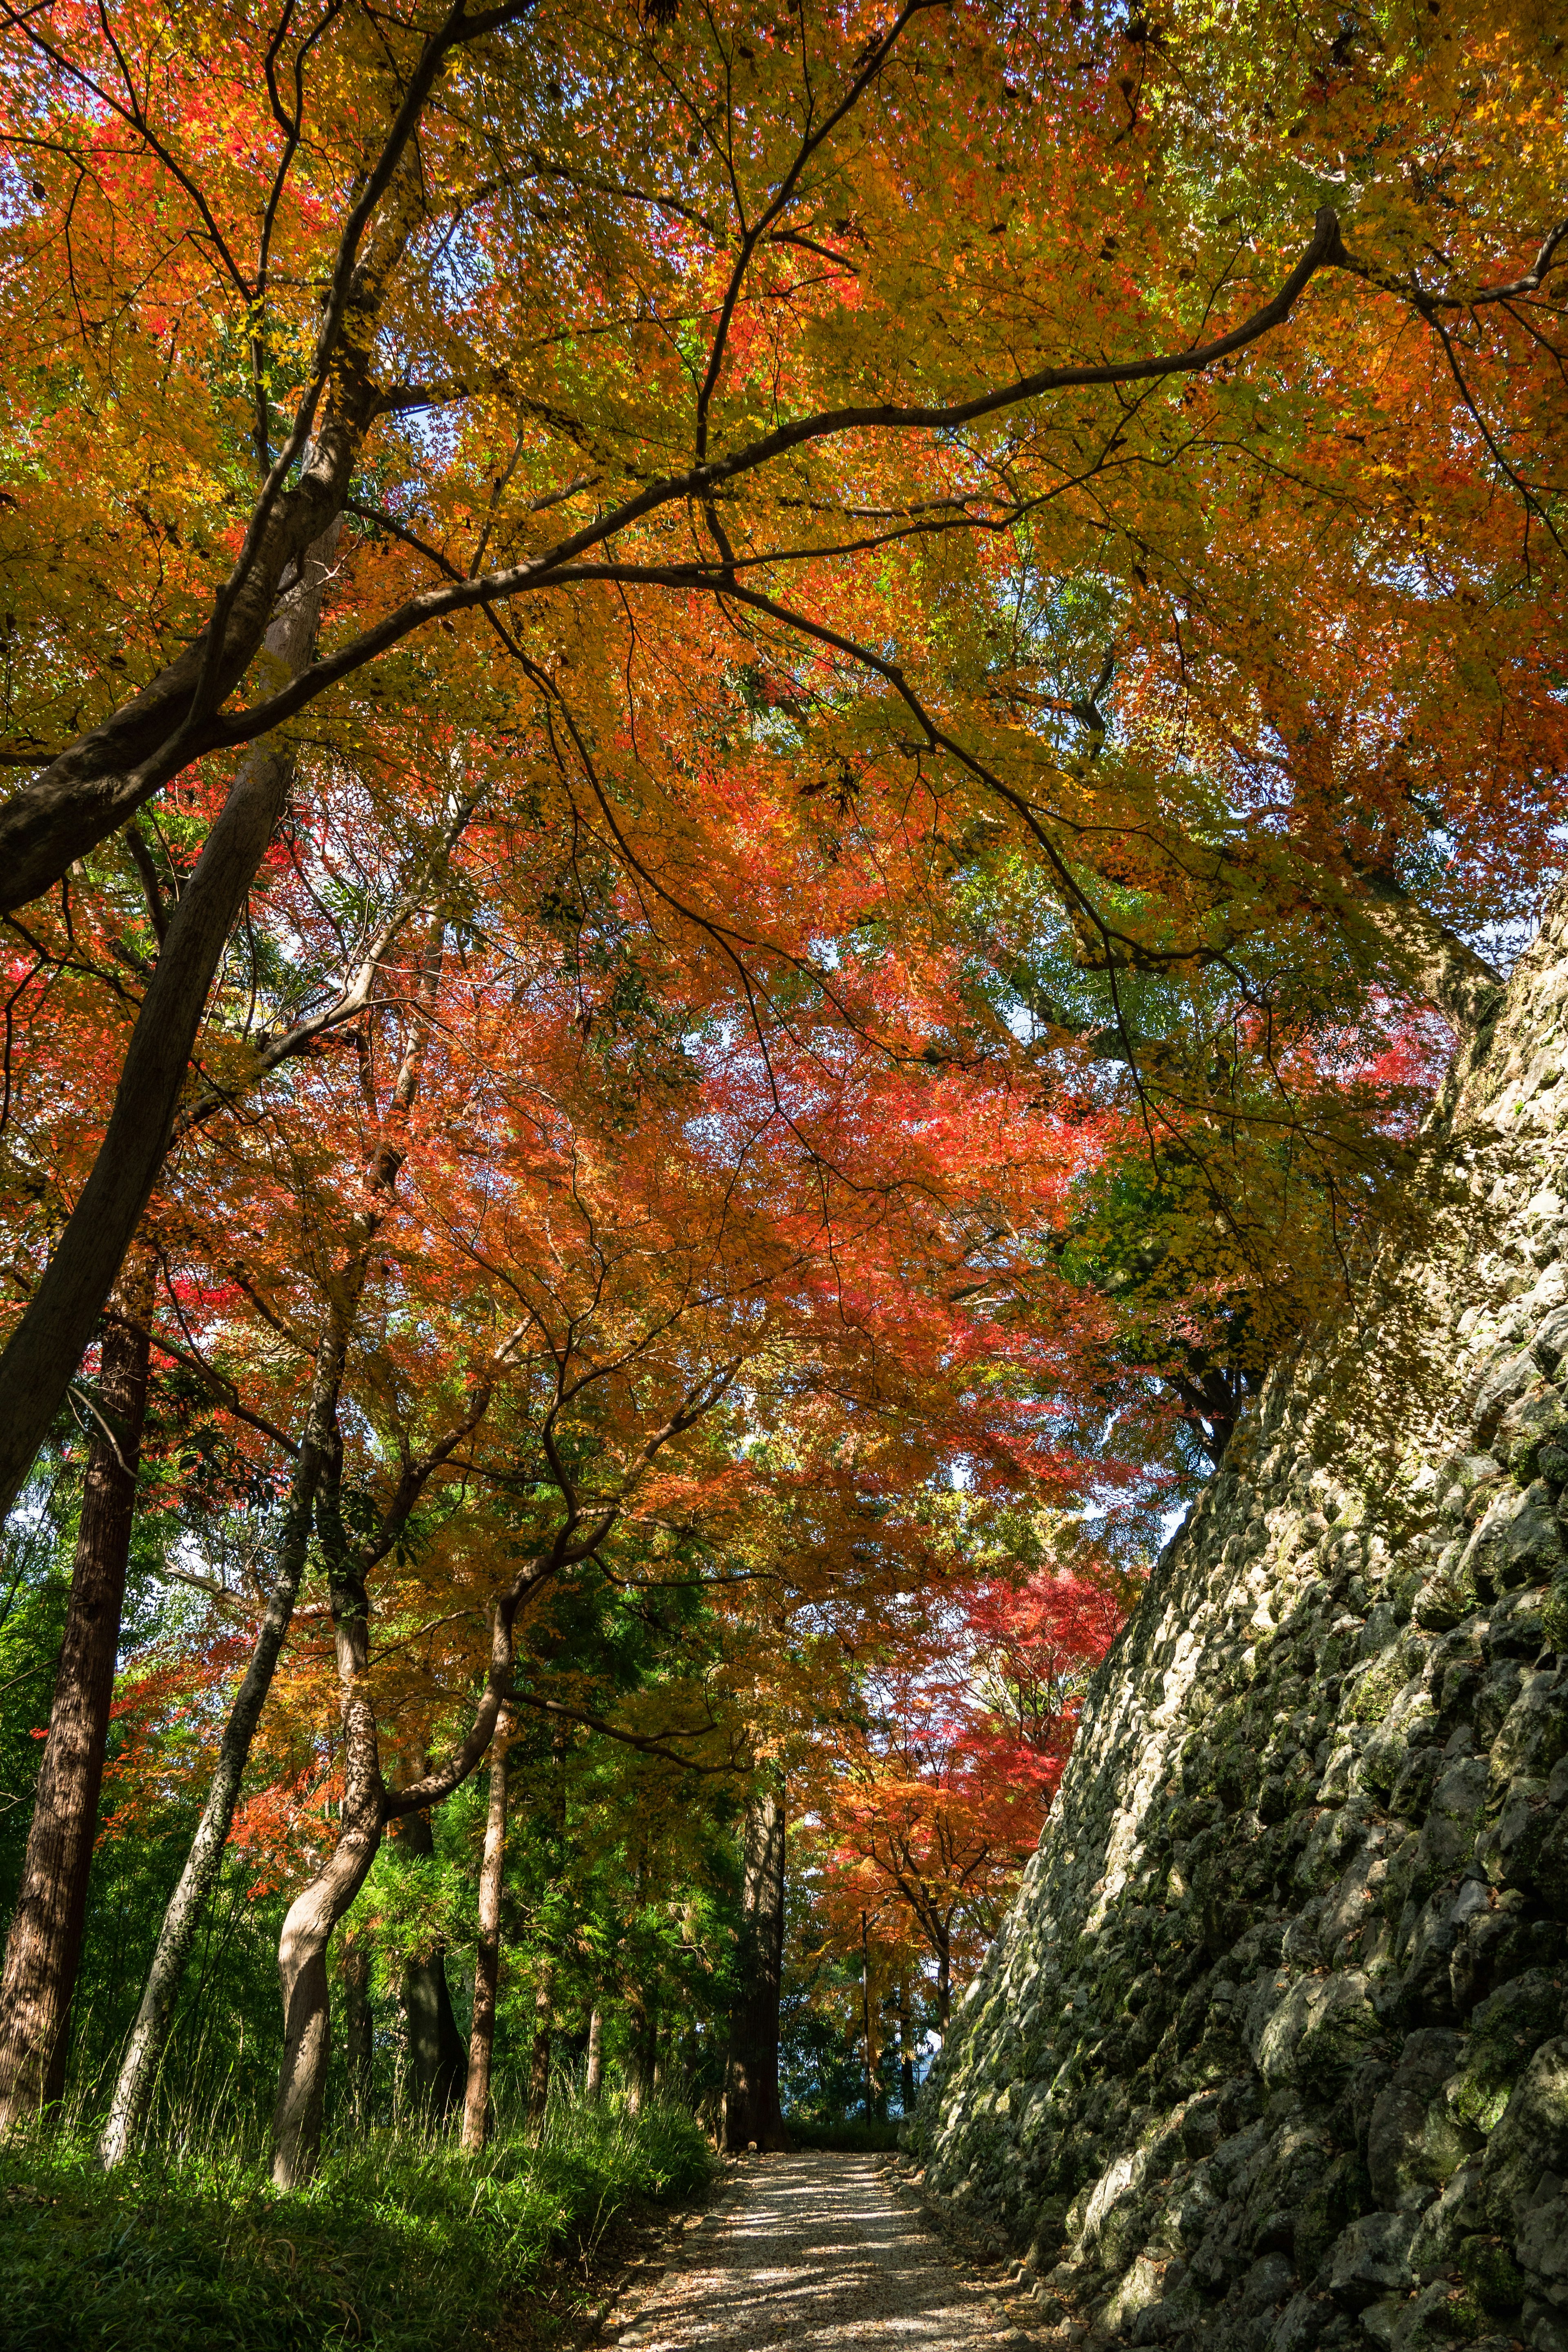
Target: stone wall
column 1272, row 2052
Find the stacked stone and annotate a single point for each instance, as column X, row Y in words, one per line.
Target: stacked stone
column 1272, row 2052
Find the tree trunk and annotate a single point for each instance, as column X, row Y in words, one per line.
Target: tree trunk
column 644, row 2016
column 539, row 2057
column 486, row 1964
column 750, row 2108
column 435, row 2052
column 42, row 1950
column 46, row 1346
column 906, row 2047
column 149, row 2036
column 307, row 1933
column 359, row 2032
column 943, row 1984
column 594, row 2074
column 150, row 2033
column 865, row 2009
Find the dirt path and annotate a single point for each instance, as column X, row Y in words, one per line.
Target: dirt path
column 817, row 2252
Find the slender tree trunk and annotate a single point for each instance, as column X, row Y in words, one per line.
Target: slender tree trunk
column 544, row 1988
column 434, row 2046
column 359, row 2036
column 487, row 1965
column 644, row 2014
column 594, row 2074
column 45, row 1348
column 538, row 2056
column 866, row 2008
column 42, row 1950
column 751, row 2109
column 943, row 1984
column 150, row 2034
column 906, row 2047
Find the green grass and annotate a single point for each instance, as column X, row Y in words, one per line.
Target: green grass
column 853, row 2136
column 400, row 2242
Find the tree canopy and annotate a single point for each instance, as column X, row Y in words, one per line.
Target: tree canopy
column 762, row 758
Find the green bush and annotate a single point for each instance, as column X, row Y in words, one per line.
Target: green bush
column 400, row 2242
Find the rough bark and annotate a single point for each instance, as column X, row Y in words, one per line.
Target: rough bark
column 43, row 1949
column 644, row 2015
column 435, row 2053
column 359, row 2031
column 906, row 2050
column 487, row 1962
column 538, row 2056
column 143, row 2055
column 594, row 2074
column 751, row 2110
column 43, row 1351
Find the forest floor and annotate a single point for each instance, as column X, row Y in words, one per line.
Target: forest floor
column 816, row 2252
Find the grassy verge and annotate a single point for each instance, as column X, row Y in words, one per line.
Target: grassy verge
column 399, row 2244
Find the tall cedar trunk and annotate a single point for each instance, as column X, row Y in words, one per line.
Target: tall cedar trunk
column 538, row 2056
column 906, row 2048
column 44, row 1350
column 182, row 1919
column 359, row 2032
column 435, row 2052
column 42, row 1950
column 643, row 2016
column 593, row 2076
column 544, row 1988
column 487, row 1962
column 752, row 2110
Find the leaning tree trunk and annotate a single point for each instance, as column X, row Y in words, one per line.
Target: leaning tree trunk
column 751, row 2109
column 182, row 1919
column 434, row 2046
column 308, row 1929
column 487, row 1962
column 43, row 1351
column 42, row 1950
column 149, row 2035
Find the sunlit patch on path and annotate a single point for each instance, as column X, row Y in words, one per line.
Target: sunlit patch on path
column 818, row 2252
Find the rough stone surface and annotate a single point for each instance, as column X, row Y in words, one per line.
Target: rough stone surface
column 1272, row 2052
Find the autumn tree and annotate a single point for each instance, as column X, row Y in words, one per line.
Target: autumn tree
column 928, row 1788
column 473, row 183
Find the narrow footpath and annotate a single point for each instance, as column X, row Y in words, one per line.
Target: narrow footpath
column 817, row 2252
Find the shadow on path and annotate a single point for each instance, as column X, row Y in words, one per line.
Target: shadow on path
column 818, row 2253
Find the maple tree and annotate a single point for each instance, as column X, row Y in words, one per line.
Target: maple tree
column 763, row 757
column 430, row 214
column 929, row 1786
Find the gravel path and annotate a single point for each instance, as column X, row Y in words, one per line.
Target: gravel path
column 818, row 2252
